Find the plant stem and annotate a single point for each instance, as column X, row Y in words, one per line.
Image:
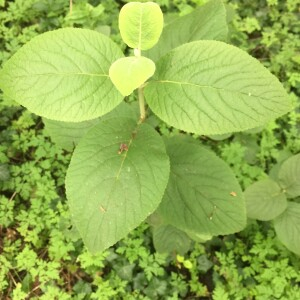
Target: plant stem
column 142, row 104
column 137, row 53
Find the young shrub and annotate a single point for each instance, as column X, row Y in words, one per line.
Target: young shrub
column 122, row 171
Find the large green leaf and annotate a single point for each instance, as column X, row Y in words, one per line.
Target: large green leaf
column 208, row 22
column 209, row 87
column 289, row 176
column 128, row 73
column 68, row 134
column 169, row 239
column 203, row 195
column 116, row 178
column 141, row 24
column 265, row 200
column 287, row 227
column 63, row 75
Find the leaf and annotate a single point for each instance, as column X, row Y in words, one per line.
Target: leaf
column 169, row 239
column 220, row 293
column 208, row 22
column 4, row 172
column 68, row 134
column 289, row 176
column 265, row 200
column 281, row 157
column 287, row 227
column 141, row 24
column 125, row 272
column 63, row 75
column 220, row 137
column 249, row 145
column 129, row 73
column 209, row 87
column 204, row 264
column 203, row 195
column 116, row 178
column 200, row 238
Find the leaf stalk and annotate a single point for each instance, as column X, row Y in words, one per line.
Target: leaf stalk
column 142, row 103
column 137, row 53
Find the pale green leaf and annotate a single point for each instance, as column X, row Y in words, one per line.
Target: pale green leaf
column 169, row 239
column 289, row 176
column 287, row 227
column 265, row 200
column 116, row 179
column 209, row 87
column 207, row 22
column 220, row 293
column 141, row 24
column 129, row 73
column 67, row 134
column 63, row 75
column 203, row 195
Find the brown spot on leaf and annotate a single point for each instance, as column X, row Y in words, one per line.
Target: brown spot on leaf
column 123, row 147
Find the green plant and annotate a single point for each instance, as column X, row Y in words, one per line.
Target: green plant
column 122, row 171
column 267, row 200
column 254, row 265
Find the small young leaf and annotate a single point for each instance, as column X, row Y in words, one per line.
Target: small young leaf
column 63, row 75
column 209, row 87
column 116, row 178
column 265, row 200
column 169, row 239
column 207, row 22
column 289, row 176
column 129, row 73
column 141, row 24
column 287, row 227
column 203, row 195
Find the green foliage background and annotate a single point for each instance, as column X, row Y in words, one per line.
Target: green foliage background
column 41, row 255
